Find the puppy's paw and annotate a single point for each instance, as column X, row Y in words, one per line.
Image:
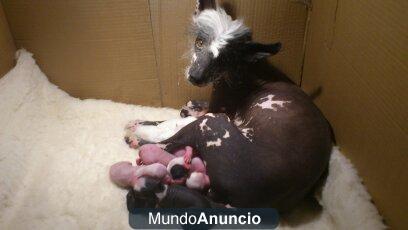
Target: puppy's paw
column 194, row 108
column 188, row 156
column 139, row 160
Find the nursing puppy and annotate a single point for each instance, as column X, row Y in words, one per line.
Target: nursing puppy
column 264, row 142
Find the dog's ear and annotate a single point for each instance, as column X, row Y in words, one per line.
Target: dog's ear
column 205, row 4
column 256, row 51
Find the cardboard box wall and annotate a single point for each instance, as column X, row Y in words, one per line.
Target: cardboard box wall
column 357, row 54
column 132, row 51
column 7, row 48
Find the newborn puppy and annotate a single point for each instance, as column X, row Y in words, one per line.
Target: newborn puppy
column 176, row 166
column 151, row 153
column 125, row 175
column 179, row 167
column 169, row 196
column 141, row 199
column 198, row 178
column 176, row 196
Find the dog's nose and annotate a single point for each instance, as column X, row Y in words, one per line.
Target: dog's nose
column 193, row 79
column 196, row 81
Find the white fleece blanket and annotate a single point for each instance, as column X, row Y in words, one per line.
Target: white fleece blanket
column 55, row 152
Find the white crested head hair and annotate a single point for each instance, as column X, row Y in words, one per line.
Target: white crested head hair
column 220, row 26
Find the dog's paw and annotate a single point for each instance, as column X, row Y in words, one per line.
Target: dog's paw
column 132, row 140
column 132, row 125
column 194, row 108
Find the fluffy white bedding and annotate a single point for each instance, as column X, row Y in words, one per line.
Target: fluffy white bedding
column 55, row 152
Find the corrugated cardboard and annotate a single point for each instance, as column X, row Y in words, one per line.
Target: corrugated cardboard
column 170, row 20
column 357, row 55
column 91, row 49
column 7, row 47
column 278, row 20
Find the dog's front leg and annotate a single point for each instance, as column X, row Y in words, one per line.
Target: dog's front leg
column 187, row 136
column 209, row 133
column 140, row 133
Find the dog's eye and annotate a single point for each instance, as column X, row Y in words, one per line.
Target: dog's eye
column 199, row 43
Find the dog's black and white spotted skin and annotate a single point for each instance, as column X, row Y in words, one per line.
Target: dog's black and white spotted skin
column 264, row 142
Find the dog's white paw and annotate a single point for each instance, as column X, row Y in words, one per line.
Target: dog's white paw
column 132, row 125
column 132, row 140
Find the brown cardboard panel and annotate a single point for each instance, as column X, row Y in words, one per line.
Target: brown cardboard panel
column 170, row 20
column 376, row 42
column 356, row 52
column 270, row 20
column 7, row 47
column 91, row 49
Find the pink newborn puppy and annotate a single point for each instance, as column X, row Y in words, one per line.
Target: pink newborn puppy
column 151, row 153
column 198, row 178
column 197, row 165
column 124, row 174
column 180, row 165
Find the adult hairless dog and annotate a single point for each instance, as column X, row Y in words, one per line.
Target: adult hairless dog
column 264, row 142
